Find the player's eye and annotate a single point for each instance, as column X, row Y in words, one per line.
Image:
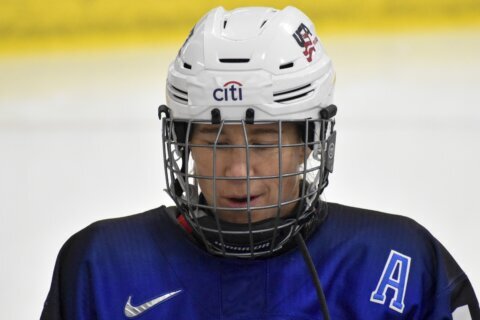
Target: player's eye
column 264, row 146
column 264, row 143
column 219, row 143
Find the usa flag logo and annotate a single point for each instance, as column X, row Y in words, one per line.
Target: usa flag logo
column 305, row 40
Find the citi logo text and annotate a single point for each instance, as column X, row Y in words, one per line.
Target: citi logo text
column 231, row 91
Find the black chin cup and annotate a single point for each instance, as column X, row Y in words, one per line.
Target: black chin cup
column 250, row 240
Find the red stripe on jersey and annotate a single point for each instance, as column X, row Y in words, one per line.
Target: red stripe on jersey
column 183, row 222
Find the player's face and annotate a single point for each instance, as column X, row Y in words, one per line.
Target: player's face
column 263, row 162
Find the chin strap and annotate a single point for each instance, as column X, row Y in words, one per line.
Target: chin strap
column 250, row 240
column 244, row 239
column 313, row 273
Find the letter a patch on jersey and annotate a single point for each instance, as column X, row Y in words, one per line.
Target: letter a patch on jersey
column 394, row 277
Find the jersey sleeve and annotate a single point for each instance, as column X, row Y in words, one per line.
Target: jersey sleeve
column 453, row 286
column 70, row 296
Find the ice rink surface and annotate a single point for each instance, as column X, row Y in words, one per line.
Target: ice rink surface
column 80, row 141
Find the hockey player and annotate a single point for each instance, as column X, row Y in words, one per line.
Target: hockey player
column 249, row 141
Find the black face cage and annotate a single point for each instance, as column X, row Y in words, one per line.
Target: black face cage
column 251, row 239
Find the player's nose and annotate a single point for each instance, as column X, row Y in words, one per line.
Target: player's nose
column 237, row 163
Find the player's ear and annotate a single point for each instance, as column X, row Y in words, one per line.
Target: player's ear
column 193, row 139
column 303, row 155
column 301, row 152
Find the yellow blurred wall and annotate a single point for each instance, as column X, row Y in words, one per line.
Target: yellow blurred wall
column 27, row 25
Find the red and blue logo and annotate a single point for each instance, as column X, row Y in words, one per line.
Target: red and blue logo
column 231, row 91
column 306, row 40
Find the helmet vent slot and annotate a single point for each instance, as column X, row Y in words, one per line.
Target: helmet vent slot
column 291, row 90
column 180, row 98
column 234, row 60
column 263, row 23
column 177, row 94
column 181, row 91
column 294, row 97
column 224, row 23
column 293, row 94
column 286, row 65
column 187, row 66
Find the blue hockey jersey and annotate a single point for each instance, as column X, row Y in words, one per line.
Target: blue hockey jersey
column 371, row 265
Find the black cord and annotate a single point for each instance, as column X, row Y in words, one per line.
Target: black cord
column 313, row 273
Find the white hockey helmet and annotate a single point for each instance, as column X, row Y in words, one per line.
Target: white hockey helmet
column 246, row 66
column 262, row 57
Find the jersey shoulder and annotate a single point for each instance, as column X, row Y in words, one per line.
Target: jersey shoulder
column 379, row 231
column 378, row 228
column 117, row 237
column 378, row 238
column 359, row 217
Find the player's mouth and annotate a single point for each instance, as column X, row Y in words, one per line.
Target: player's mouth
column 242, row 201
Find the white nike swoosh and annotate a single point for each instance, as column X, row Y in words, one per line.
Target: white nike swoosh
column 131, row 311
